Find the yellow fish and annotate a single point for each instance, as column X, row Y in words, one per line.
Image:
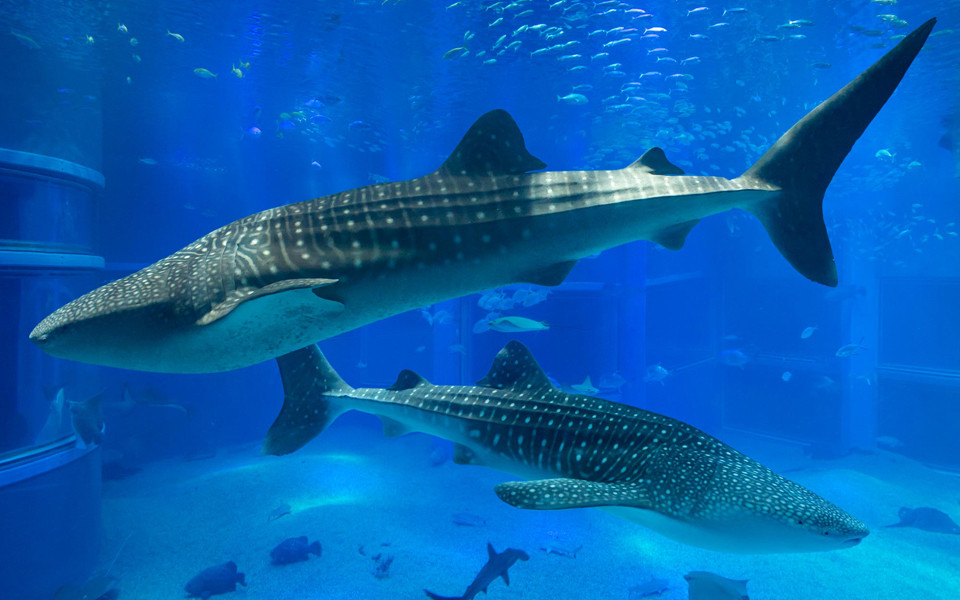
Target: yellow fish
column 204, row 73
column 245, row 65
column 175, row 36
column 121, row 28
column 236, row 71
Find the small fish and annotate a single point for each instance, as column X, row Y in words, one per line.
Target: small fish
column 734, row 358
column 699, row 9
column 455, row 52
column 25, row 40
column 499, row 41
column 731, row 11
column 134, row 41
column 175, row 36
column 280, row 511
column 616, row 42
column 884, row 154
column 517, row 325
column 204, row 73
column 295, row 549
column 698, row 36
column 807, row 332
column 359, row 126
column 693, row 60
column 147, row 161
column 654, row 30
column 136, row 58
column 717, row 25
column 573, row 99
column 850, row 349
column 237, row 72
column 787, row 375
column 496, row 22
column 88, row 40
column 121, row 28
column 821, row 65
column 656, row 373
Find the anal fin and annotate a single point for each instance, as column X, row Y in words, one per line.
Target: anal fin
column 555, row 494
column 393, row 428
column 673, row 237
column 552, row 275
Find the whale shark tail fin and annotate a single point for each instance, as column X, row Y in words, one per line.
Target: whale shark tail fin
column 310, row 391
column 802, row 162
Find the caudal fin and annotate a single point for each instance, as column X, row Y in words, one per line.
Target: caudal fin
column 310, row 389
column 803, row 161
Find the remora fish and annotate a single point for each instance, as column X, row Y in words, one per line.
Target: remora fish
column 580, row 452
column 290, row 276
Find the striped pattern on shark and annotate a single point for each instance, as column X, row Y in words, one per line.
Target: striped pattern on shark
column 580, row 452
column 290, row 276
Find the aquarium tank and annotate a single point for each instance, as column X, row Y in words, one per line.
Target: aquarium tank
column 541, row 299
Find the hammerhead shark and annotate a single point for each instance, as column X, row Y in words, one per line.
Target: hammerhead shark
column 496, row 567
column 579, row 452
column 293, row 275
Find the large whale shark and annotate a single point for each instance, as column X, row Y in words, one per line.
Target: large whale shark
column 578, row 451
column 290, row 276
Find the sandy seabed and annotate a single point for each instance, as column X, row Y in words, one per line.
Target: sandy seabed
column 361, row 495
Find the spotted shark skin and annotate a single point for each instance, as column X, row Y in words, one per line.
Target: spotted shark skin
column 293, row 275
column 579, row 452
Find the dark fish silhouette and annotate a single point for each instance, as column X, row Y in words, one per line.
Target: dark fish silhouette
column 710, row 586
column 927, row 519
column 293, row 550
column 215, row 580
column 87, row 418
column 497, row 565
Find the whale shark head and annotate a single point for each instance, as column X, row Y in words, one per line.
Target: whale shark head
column 112, row 324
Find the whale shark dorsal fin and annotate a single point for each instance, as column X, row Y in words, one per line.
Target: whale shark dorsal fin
column 407, row 380
column 655, row 162
column 492, row 146
column 515, row 368
column 240, row 296
column 555, row 494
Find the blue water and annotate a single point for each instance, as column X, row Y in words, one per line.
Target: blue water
column 314, row 98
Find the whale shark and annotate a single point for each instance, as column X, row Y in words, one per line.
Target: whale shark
column 290, row 276
column 577, row 451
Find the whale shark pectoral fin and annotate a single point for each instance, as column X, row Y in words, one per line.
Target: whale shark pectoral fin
column 247, row 294
column 465, row 456
column 654, row 161
column 492, row 146
column 551, row 276
column 673, row 237
column 555, row 494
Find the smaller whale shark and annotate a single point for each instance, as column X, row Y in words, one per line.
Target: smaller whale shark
column 496, row 567
column 578, row 451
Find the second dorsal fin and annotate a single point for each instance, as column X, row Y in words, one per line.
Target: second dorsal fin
column 492, row 146
column 655, row 162
column 406, row 380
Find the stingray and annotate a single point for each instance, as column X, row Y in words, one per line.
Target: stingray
column 710, row 586
column 927, row 519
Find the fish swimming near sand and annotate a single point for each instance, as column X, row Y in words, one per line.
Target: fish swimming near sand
column 295, row 549
column 496, row 567
column 704, row 585
column 927, row 519
column 293, row 275
column 579, row 452
column 215, row 580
